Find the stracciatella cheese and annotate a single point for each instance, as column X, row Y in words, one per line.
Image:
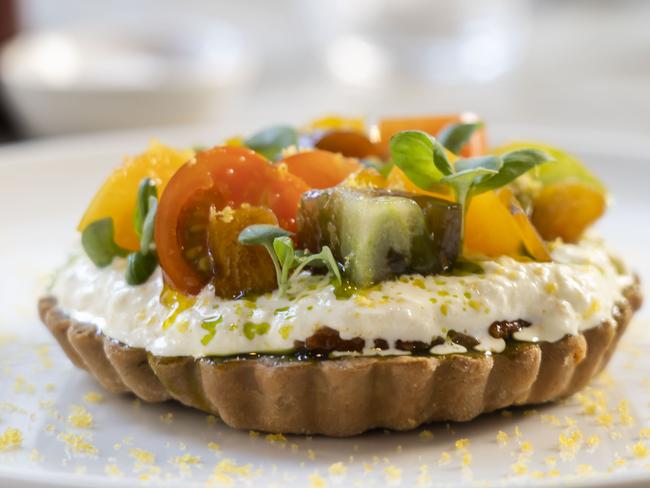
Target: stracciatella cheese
column 574, row 292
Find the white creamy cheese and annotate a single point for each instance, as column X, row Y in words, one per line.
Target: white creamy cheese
column 576, row 291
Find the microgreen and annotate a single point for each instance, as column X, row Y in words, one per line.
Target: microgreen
column 98, row 238
column 98, row 241
column 270, row 142
column 287, row 261
column 146, row 189
column 423, row 160
column 139, row 267
column 455, row 136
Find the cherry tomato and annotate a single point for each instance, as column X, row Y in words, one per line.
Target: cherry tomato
column 352, row 144
column 321, row 169
column 216, row 178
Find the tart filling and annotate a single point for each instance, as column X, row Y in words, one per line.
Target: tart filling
column 576, row 291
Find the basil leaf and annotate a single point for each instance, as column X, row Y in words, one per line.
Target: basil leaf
column 262, row 234
column 491, row 163
column 515, row 164
column 455, row 136
column 146, row 189
column 270, row 142
column 139, row 267
column 147, row 243
column 420, row 156
column 98, row 241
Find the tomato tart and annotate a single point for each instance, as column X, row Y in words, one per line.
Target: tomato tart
column 340, row 277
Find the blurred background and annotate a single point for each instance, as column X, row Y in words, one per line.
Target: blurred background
column 74, row 66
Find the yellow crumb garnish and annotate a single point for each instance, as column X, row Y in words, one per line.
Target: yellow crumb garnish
column 211, row 420
column 213, row 446
column 519, row 468
column 502, row 437
column 78, row 443
column 517, row 431
column 553, row 473
column 80, row 417
column 570, row 442
column 311, row 455
column 113, row 470
column 605, row 419
column 226, row 215
column 467, row 458
column 367, row 467
column 462, row 443
column 185, row 461
column 425, row 434
column 644, row 433
column 551, row 288
column 526, row 446
column 21, row 386
column 506, row 413
column 167, row 418
column 93, row 397
column 36, row 456
column 551, row 419
column 445, row 458
column 393, row 473
column 594, row 307
column 141, row 456
column 10, row 439
column 317, row 481
column 593, row 441
column 252, row 433
column 619, row 461
column 337, row 469
column 226, row 470
column 639, row 450
column 275, row 438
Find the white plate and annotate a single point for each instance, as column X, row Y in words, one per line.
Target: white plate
column 43, row 189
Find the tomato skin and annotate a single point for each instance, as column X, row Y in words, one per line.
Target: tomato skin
column 219, row 177
column 476, row 146
column 321, row 169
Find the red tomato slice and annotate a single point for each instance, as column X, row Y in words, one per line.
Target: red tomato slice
column 476, row 146
column 219, row 177
column 321, row 169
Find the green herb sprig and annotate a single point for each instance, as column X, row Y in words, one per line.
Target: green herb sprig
column 98, row 239
column 423, row 160
column 287, row 261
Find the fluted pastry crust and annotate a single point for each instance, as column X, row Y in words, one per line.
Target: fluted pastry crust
column 346, row 396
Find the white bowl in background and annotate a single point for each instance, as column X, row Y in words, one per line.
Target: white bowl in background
column 88, row 79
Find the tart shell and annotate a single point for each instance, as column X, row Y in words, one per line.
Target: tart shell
column 346, row 396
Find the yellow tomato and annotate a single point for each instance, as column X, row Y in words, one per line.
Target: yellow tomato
column 495, row 225
column 117, row 196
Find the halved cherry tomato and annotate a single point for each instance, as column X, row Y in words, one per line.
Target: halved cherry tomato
column 321, row 169
column 476, row 146
column 350, row 143
column 216, row 178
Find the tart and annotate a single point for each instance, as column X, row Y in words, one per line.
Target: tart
column 340, row 278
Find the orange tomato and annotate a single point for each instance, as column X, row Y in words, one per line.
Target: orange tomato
column 320, row 169
column 365, row 178
column 476, row 146
column 495, row 225
column 397, row 180
column 117, row 196
column 565, row 210
column 220, row 177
